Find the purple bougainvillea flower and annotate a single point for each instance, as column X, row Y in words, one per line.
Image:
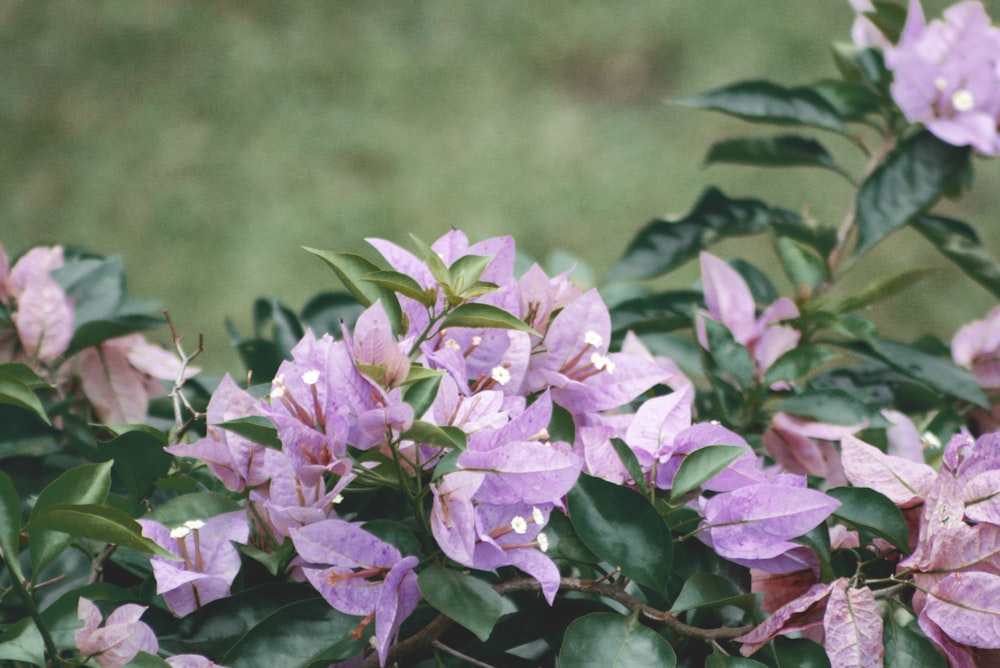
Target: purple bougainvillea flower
column 375, row 350
column 806, row 447
column 540, row 296
column 119, row 640
column 43, row 317
column 946, row 75
column 210, row 560
column 235, row 460
column 863, row 31
column 802, row 613
column 976, row 347
column 359, row 574
column 905, row 483
column 191, row 661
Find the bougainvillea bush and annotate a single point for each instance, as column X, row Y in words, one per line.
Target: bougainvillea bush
column 461, row 459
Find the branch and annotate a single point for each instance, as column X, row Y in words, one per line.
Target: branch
column 180, row 426
column 428, row 636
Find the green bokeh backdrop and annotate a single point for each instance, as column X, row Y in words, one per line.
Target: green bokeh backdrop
column 206, row 142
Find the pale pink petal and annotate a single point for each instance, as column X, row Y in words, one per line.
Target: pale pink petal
column 853, row 627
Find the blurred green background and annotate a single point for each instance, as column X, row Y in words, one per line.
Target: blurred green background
column 206, row 142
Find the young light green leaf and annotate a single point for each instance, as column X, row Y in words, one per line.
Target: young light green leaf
column 433, row 261
column 466, row 270
column 801, row 264
column 102, row 523
column 702, row 465
column 464, row 598
column 486, row 316
column 431, row 434
column 622, row 528
column 906, row 184
column 864, row 508
column 767, row 102
column 608, row 640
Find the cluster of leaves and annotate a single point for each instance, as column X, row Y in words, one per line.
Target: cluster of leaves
column 454, row 462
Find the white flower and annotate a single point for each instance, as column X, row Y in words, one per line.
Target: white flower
column 519, row 524
column 500, row 375
column 602, row 362
column 536, row 514
column 592, row 338
column 543, row 542
column 310, row 377
column 179, row 532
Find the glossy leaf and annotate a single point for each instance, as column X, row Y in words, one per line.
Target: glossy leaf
column 781, row 151
column 102, row 523
column 14, row 392
column 431, row 434
column 661, row 312
column 147, row 660
column 139, row 461
column 730, row 357
column 422, row 393
column 852, row 100
column 607, row 640
column 959, row 243
column 906, row 645
column 631, row 463
column 864, row 508
column 707, row 590
column 622, row 528
column 433, row 261
column 800, row 653
column 88, row 484
column 859, row 64
column 909, row 182
column 663, row 245
column 476, row 315
column 257, row 428
column 10, row 525
column 352, row 269
column 298, row 634
column 21, row 641
column 767, row 102
column 717, row 660
column 797, row 363
column 832, row 406
column 702, row 465
column 466, row 599
column 466, row 270
column 402, row 284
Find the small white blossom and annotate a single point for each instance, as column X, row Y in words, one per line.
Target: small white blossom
column 500, row 375
column 179, row 532
column 310, row 377
column 543, row 542
column 536, row 515
column 194, row 525
column 452, row 344
column 519, row 524
column 940, row 83
column 592, row 338
column 476, row 340
column 278, row 386
column 338, row 499
column 962, row 100
column 602, row 362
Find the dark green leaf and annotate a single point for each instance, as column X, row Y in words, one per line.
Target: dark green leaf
column 88, row 484
column 821, row 238
column 717, row 660
column 274, row 560
column 627, row 455
column 883, row 288
column 351, row 270
column 10, row 525
column 298, row 634
column 147, row 660
column 14, row 392
column 402, row 284
column 325, row 311
column 781, row 151
column 397, row 535
column 959, row 243
column 139, row 461
column 422, row 393
column 102, row 523
column 200, row 505
column 889, row 17
column 662, row 312
column 286, row 330
column 906, row 184
column 486, row 316
column 760, row 285
column 21, row 641
column 26, row 375
column 564, row 543
column 852, row 100
column 607, row 640
column 831, row 406
column 906, row 645
column 797, row 363
column 767, row 102
column 859, row 64
column 864, row 508
column 257, row 428
column 731, row 357
column 799, row 653
column 801, row 264
column 663, row 245
column 97, row 331
column 95, row 286
column 124, row 428
column 261, row 358
column 621, row 527
column 819, row 540
column 702, row 465
column 705, row 590
column 431, row 434
column 464, row 598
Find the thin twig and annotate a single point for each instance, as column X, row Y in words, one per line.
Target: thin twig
column 97, row 567
column 438, row 645
column 180, row 425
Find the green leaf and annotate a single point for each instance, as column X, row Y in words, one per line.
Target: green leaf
column 274, row 560
column 797, row 363
column 95, row 286
column 26, row 375
column 780, row 151
column 298, row 634
column 21, row 641
column 431, row 434
column 10, row 525
column 819, row 541
column 937, row 373
column 123, row 428
column 325, row 311
column 832, row 406
column 564, row 543
column 402, row 284
column 88, row 484
column 661, row 312
column 466, row 270
column 422, row 393
column 608, row 640
column 801, row 264
column 883, row 288
column 397, row 535
column 622, row 528
column 433, row 261
column 889, row 17
column 906, row 645
column 767, row 102
column 139, row 461
column 731, row 357
column 97, row 331
column 352, row 269
column 200, row 506
column 464, row 598
column 702, row 465
column 864, row 508
column 959, row 243
column 257, row 428
column 799, row 653
column 631, row 463
column 718, row 660
column 663, row 245
column 860, row 65
column 707, row 590
column 906, row 184
column 102, row 523
column 146, row 660
column 14, row 392
column 473, row 314
column 852, row 100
